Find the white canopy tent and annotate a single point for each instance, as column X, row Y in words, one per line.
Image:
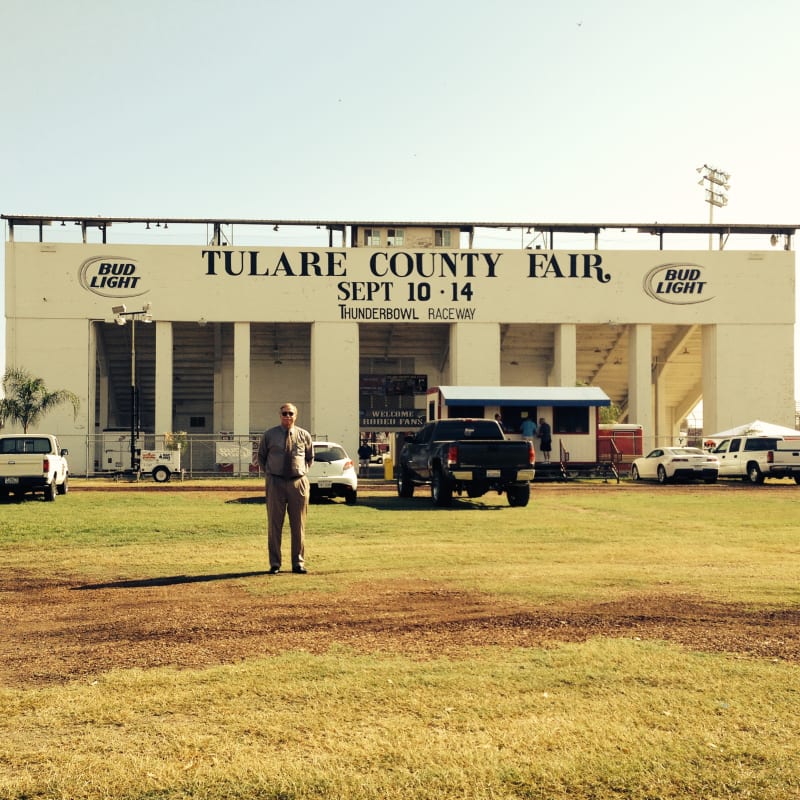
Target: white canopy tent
column 756, row 428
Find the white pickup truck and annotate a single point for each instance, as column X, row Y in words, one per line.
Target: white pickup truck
column 755, row 458
column 786, row 459
column 32, row 462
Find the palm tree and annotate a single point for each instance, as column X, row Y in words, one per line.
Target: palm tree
column 27, row 399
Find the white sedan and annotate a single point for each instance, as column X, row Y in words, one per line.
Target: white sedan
column 672, row 463
column 333, row 473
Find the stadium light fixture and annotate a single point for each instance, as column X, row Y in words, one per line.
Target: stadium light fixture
column 716, row 183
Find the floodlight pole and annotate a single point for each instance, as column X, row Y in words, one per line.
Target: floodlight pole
column 134, row 409
column 714, row 180
column 121, row 316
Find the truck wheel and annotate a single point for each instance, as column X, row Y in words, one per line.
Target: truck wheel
column 50, row 491
column 518, row 495
column 405, row 486
column 441, row 492
column 161, row 474
column 754, row 474
column 350, row 497
column 63, row 488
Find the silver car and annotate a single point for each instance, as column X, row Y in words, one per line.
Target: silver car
column 674, row 463
column 333, row 473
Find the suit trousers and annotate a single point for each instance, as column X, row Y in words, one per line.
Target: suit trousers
column 286, row 495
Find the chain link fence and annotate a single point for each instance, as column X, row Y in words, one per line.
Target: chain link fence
column 190, row 455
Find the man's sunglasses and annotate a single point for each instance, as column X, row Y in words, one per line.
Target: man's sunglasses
column 287, row 413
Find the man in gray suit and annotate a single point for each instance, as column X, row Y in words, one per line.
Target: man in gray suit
column 285, row 453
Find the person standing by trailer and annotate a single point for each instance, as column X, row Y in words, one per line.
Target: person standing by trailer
column 528, row 428
column 285, row 453
column 364, row 455
column 545, row 439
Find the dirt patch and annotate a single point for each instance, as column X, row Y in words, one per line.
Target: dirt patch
column 57, row 631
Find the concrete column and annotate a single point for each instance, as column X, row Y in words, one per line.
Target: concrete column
column 475, row 354
column 747, row 367
column 565, row 370
column 665, row 427
column 98, row 362
column 103, row 398
column 640, row 395
column 63, row 364
column 164, row 368
column 220, row 421
column 334, row 383
column 241, row 378
column 711, row 415
column 94, row 450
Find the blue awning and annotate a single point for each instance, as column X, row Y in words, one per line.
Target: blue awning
column 523, row 396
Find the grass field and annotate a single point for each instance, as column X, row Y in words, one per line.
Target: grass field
column 604, row 642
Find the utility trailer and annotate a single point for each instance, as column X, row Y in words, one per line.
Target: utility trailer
column 160, row 464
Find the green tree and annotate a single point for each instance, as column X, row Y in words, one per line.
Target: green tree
column 610, row 414
column 27, row 398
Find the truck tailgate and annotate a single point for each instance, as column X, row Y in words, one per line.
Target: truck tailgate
column 493, row 455
column 13, row 466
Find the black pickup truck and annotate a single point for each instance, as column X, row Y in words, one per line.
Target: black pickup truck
column 466, row 455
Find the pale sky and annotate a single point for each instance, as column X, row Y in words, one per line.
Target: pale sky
column 584, row 110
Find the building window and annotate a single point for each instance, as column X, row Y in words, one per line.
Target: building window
column 395, row 237
column 372, row 237
column 197, row 422
column 441, row 238
column 571, row 419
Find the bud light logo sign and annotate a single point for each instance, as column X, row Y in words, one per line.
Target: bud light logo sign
column 678, row 284
column 111, row 277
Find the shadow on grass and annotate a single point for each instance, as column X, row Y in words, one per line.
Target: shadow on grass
column 261, row 500
column 169, row 580
column 389, row 502
column 423, row 503
column 28, row 497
